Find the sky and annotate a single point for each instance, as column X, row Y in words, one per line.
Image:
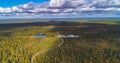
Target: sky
column 10, row 3
column 58, row 8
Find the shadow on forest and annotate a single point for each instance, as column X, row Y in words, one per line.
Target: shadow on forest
column 51, row 23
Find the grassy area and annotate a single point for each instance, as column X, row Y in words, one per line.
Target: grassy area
column 109, row 22
column 19, row 45
column 20, row 21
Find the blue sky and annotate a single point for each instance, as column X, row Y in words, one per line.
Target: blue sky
column 59, row 8
column 10, row 3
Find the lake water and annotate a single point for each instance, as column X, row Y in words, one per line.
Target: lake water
column 40, row 36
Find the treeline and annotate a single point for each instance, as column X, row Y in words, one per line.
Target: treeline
column 46, row 23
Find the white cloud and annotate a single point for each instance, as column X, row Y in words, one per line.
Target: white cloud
column 65, row 3
column 112, row 2
column 6, row 10
column 88, row 9
column 26, row 6
column 57, row 3
column 16, row 9
column 112, row 9
column 107, row 2
column 63, row 6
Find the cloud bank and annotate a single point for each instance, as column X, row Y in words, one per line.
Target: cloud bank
column 61, row 7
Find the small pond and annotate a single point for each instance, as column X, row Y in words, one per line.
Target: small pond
column 40, row 36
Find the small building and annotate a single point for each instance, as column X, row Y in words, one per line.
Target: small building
column 72, row 36
column 68, row 36
column 40, row 36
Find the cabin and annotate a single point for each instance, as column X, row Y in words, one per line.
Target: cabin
column 40, row 36
column 72, row 36
column 68, row 36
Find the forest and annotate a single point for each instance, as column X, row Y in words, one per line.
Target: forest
column 98, row 42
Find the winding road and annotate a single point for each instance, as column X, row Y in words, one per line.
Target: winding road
column 41, row 52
